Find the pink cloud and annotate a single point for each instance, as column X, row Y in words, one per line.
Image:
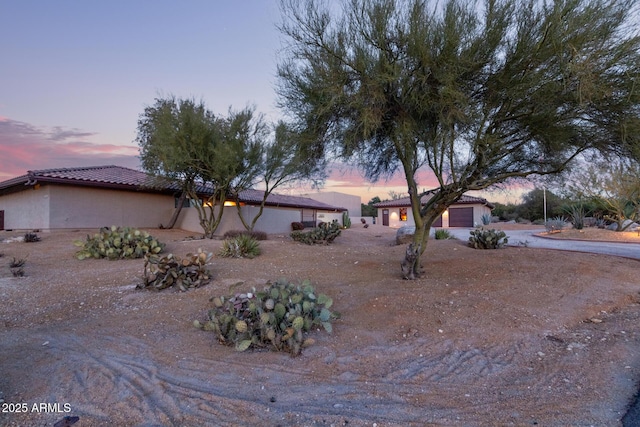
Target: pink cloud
column 26, row 147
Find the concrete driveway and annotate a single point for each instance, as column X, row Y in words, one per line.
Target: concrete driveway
column 529, row 239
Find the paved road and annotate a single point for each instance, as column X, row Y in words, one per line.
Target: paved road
column 529, row 239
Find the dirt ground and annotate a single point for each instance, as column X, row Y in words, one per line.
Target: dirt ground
column 517, row 336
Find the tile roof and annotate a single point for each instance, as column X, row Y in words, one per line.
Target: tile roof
column 255, row 197
column 405, row 201
column 95, row 176
column 118, row 177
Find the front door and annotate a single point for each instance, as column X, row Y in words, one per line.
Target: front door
column 385, row 217
column 1, row 220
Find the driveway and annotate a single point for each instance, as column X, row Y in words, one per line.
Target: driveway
column 529, row 239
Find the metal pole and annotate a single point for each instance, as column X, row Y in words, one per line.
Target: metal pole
column 544, row 199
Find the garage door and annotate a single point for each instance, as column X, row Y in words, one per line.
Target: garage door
column 461, row 217
column 437, row 222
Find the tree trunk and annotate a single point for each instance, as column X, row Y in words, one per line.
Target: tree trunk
column 411, row 263
column 176, row 212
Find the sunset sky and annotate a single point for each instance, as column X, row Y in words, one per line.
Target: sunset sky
column 76, row 75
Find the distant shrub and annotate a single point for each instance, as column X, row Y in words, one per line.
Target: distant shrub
column 486, row 219
column 488, row 239
column 297, row 226
column 556, row 224
column 31, row 237
column 242, row 246
column 442, row 234
column 257, row 235
column 324, row 233
column 17, row 267
column 118, row 242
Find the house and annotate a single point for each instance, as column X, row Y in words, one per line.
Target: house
column 352, row 203
column 93, row 197
column 466, row 212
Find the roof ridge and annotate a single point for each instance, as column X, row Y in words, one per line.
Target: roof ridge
column 80, row 168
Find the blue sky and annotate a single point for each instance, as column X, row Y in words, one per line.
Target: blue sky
column 76, row 75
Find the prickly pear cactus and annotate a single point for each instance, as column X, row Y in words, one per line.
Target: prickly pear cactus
column 118, row 242
column 188, row 272
column 323, row 234
column 278, row 317
column 488, row 239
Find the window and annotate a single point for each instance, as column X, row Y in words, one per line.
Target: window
column 403, row 214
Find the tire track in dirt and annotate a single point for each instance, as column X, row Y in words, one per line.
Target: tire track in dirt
column 473, row 381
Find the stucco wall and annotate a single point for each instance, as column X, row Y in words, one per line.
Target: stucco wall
column 272, row 220
column 340, row 200
column 26, row 210
column 84, row 207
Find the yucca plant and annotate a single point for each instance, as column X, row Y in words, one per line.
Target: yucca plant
column 242, row 246
column 441, row 234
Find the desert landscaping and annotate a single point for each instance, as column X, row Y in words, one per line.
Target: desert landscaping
column 515, row 336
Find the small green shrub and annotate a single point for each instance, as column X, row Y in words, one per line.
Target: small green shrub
column 243, row 246
column 442, row 234
column 346, row 221
column 486, row 219
column 257, row 235
column 295, row 226
column 117, row 243
column 555, row 224
column 324, row 233
column 31, row 237
column 488, row 239
column 278, row 317
column 164, row 272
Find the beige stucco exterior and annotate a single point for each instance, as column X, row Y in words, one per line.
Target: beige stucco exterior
column 395, row 222
column 62, row 207
column 274, row 220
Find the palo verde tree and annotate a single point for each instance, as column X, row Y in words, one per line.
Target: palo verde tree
column 477, row 92
column 281, row 163
column 612, row 186
column 209, row 156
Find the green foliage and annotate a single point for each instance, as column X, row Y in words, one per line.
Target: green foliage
column 242, row 246
column 181, row 139
column 556, row 224
column 31, row 237
column 442, row 234
column 324, row 233
column 403, row 86
column 482, row 238
column 346, row 221
column 257, row 235
column 278, row 317
column 117, row 243
column 532, row 206
column 486, row 219
column 577, row 213
column 169, row 270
